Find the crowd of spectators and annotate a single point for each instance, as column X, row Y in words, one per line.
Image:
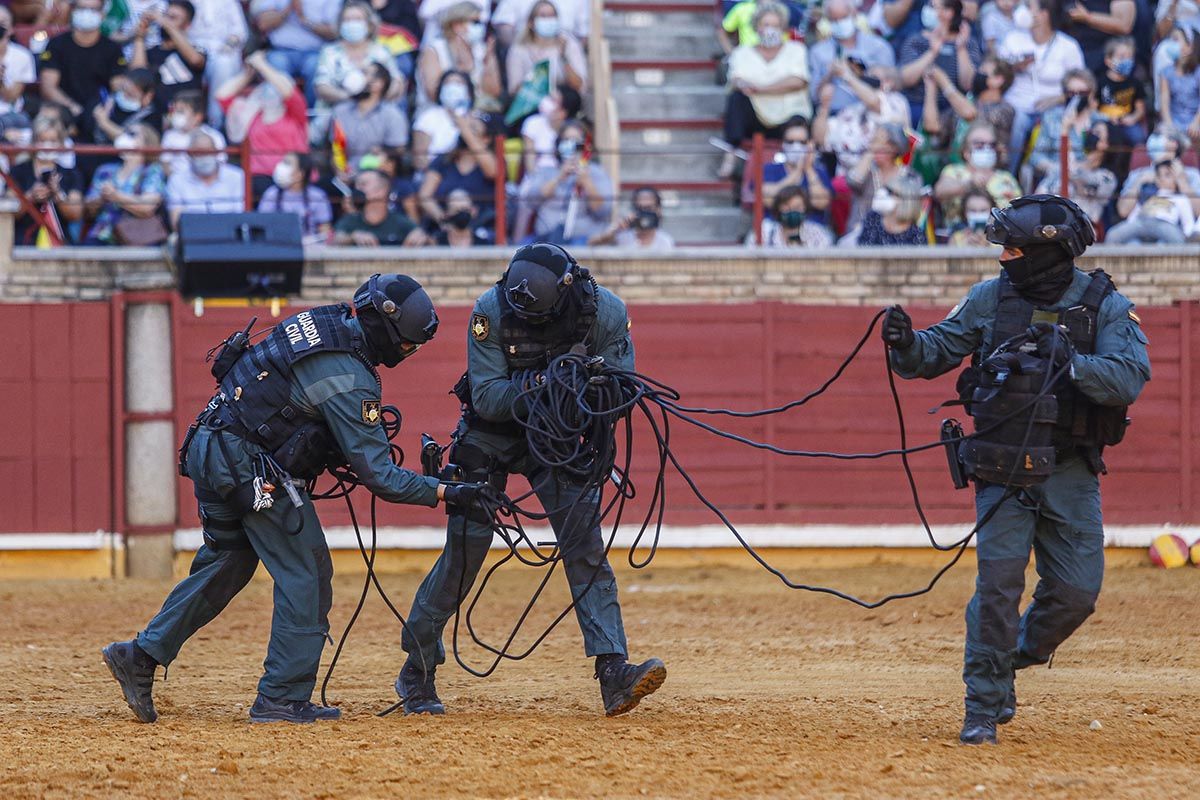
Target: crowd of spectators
column 375, row 122
column 905, row 122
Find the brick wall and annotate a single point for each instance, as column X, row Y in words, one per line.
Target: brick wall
column 871, row 277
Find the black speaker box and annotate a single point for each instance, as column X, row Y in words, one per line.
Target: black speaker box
column 239, row 255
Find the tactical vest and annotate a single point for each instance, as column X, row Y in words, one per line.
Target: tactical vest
column 529, row 346
column 254, row 399
column 1080, row 423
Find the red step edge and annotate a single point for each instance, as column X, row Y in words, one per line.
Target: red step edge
column 665, row 65
column 634, row 5
column 682, row 186
column 714, row 124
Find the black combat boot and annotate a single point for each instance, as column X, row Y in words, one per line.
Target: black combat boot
column 623, row 685
column 303, row 712
column 415, row 687
column 1009, row 709
column 134, row 670
column 978, row 729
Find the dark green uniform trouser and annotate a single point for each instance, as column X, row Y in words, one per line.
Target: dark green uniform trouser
column 300, row 566
column 1060, row 521
column 573, row 518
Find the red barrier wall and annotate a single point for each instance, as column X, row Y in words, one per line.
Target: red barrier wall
column 55, row 437
column 55, row 412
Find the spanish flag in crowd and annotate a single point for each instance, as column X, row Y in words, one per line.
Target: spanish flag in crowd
column 397, row 40
column 337, row 138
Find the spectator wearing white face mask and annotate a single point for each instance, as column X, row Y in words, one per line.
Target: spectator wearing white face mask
column 439, row 127
column 977, row 210
column 895, row 209
column 768, row 83
column 270, row 114
column 543, row 39
column 846, row 41
column 342, row 67
column 208, row 186
column 539, row 132
column 463, row 46
column 184, row 117
column 129, row 187
column 798, row 165
column 292, row 193
column 979, row 152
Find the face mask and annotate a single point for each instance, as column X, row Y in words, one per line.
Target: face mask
column 883, row 203
column 547, row 106
column 85, row 19
column 546, row 27
column 983, row 157
column 354, row 30
column 929, row 17
column 843, row 28
column 459, row 219
column 126, row 141
column 455, row 96
column 126, row 103
column 21, row 137
column 205, row 166
column 568, row 148
column 977, row 221
column 770, row 36
column 46, row 155
column 795, row 152
column 1124, row 67
column 1156, row 148
column 268, row 96
column 476, row 32
column 179, row 120
column 358, row 199
column 1171, row 49
column 792, row 219
column 1022, row 18
column 283, row 175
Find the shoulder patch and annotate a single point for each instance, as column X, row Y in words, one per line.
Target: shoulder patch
column 1136, row 319
column 370, row 411
column 955, row 311
column 481, row 326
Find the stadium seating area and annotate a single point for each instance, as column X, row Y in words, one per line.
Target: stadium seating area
column 404, row 123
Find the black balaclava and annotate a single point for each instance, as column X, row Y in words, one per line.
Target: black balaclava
column 1042, row 274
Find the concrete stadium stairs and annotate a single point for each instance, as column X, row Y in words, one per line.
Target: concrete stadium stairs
column 663, row 63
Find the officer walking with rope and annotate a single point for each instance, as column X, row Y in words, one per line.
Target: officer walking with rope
column 305, row 398
column 544, row 306
column 1092, row 343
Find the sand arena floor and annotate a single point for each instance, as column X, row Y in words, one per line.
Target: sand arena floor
column 770, row 693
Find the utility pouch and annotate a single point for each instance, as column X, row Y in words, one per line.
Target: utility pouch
column 307, row 452
column 952, row 435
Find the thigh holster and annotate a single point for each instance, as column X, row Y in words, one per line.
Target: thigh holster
column 472, row 464
column 224, row 534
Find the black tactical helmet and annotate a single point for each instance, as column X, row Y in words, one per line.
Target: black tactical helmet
column 538, row 281
column 396, row 316
column 1040, row 219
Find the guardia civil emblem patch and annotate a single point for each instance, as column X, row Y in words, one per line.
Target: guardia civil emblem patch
column 370, row 411
column 480, row 326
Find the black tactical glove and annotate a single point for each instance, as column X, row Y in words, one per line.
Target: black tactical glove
column 897, row 330
column 466, row 495
column 1053, row 343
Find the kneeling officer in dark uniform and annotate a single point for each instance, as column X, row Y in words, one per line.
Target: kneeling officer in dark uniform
column 1087, row 333
column 544, row 305
column 304, row 398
